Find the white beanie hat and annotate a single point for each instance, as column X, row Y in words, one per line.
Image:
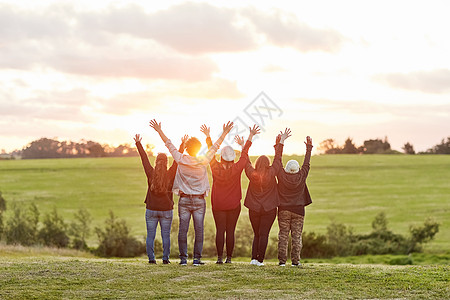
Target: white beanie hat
column 292, row 166
column 227, row 153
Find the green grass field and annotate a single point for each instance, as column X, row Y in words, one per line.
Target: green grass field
column 28, row 273
column 349, row 189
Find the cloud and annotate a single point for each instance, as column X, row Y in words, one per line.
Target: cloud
column 433, row 82
column 273, row 69
column 159, row 98
column 285, row 30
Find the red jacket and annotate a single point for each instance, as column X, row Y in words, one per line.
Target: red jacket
column 226, row 189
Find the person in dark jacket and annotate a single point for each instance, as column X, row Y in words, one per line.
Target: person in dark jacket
column 294, row 196
column 262, row 200
column 159, row 199
column 226, row 190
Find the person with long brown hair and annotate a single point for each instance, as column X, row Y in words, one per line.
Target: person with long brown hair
column 159, row 199
column 226, row 192
column 262, row 199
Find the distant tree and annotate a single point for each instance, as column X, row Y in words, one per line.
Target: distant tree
column 408, row 148
column 42, row 148
column 349, row 147
column 376, row 146
column 95, row 149
column 149, row 149
column 442, row 148
column 328, row 146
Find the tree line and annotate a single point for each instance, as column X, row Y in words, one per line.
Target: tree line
column 378, row 146
column 52, row 148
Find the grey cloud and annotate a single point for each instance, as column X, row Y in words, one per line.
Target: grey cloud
column 286, row 30
column 434, row 82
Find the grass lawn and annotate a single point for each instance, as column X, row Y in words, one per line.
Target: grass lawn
column 349, row 189
column 41, row 274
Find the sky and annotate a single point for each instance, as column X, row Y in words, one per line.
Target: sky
column 101, row 70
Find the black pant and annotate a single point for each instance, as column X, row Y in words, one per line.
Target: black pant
column 261, row 224
column 225, row 222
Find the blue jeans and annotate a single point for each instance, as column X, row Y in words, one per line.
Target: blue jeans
column 187, row 207
column 164, row 218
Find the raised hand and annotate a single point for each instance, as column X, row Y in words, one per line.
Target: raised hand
column 137, row 138
column 184, row 138
column 255, row 130
column 285, row 134
column 227, row 127
column 155, row 125
column 239, row 140
column 278, row 139
column 205, row 130
column 308, row 141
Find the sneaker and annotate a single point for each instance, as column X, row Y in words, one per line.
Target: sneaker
column 198, row 262
column 296, row 264
column 282, row 264
column 219, row 261
column 260, row 264
column 254, row 262
column 183, row 263
column 166, row 262
column 152, row 261
column 228, row 261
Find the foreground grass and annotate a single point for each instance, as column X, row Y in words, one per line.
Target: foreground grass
column 43, row 277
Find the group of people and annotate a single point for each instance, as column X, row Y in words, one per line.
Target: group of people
column 272, row 189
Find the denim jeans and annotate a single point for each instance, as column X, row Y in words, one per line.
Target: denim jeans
column 164, row 218
column 187, row 207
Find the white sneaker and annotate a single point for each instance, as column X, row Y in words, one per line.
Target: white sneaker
column 282, row 265
column 297, row 265
column 260, row 264
column 254, row 262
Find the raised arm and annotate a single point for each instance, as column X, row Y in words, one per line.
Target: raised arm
column 306, row 166
column 144, row 158
column 157, row 126
column 206, row 131
column 245, row 147
column 279, row 145
column 212, row 151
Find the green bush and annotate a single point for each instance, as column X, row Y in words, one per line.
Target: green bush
column 115, row 240
column 2, row 209
column 21, row 227
column 54, row 232
column 80, row 229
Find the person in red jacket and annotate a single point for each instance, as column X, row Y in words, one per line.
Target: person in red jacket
column 159, row 199
column 226, row 190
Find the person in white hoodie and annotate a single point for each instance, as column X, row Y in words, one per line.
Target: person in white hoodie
column 293, row 196
column 192, row 185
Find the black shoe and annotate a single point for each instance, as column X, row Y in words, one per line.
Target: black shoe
column 198, row 262
column 228, row 261
column 219, row 261
column 152, row 261
column 166, row 262
column 183, row 263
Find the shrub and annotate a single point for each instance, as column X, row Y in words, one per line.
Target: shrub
column 422, row 234
column 21, row 227
column 315, row 245
column 53, row 233
column 116, row 241
column 80, row 229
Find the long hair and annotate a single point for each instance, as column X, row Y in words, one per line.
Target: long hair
column 261, row 173
column 159, row 180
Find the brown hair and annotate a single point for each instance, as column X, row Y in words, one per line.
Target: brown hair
column 159, row 181
column 261, row 173
column 193, row 145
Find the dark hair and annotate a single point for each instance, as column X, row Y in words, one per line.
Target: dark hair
column 261, row 173
column 159, row 182
column 193, row 145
